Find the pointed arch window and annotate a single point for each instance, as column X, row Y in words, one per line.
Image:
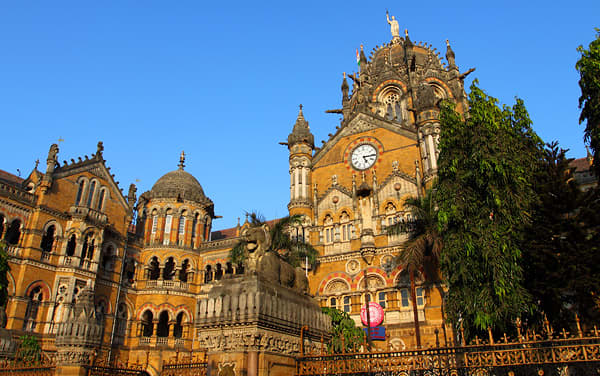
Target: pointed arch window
column 101, row 199
column 79, row 192
column 168, row 224
column 162, row 330
column 183, row 272
column 178, row 327
column 169, row 269
column 121, row 323
column 346, row 227
column 328, row 229
column 91, row 194
column 154, row 270
column 71, row 244
column 33, row 305
column 147, row 324
column 181, row 230
column 48, row 239
column 13, row 233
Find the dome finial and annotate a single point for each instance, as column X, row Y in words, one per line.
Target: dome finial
column 181, row 160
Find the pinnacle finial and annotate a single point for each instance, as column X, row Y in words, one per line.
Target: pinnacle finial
column 406, row 32
column 181, row 160
column 300, row 113
column 447, row 43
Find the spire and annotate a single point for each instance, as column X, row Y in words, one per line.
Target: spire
column 363, row 58
column 181, row 160
column 301, row 131
column 345, row 89
column 450, row 55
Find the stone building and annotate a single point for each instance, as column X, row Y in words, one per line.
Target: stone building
column 149, row 261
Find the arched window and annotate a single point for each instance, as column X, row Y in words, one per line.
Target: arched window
column 121, row 324
column 101, row 199
column 346, row 227
column 87, row 250
column 154, row 221
column 194, row 225
column 154, row 271
column 91, row 194
column 208, row 274
column 147, row 324
column 13, row 233
column 228, row 268
column 381, row 299
column 79, row 192
column 169, row 270
column 328, row 229
column 239, row 269
column 181, row 231
column 218, row 272
column 178, row 327
column 162, row 329
column 183, row 272
column 347, row 304
column 333, row 302
column 107, row 258
column 168, row 224
column 71, row 244
column 34, row 300
column 130, row 270
column 48, row 239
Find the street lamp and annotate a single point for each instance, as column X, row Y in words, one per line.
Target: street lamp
column 368, row 254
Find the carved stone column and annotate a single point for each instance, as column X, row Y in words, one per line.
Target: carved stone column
column 78, row 336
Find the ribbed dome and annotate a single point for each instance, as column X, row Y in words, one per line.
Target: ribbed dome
column 178, row 184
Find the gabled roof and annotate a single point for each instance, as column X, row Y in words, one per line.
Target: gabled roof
column 7, row 177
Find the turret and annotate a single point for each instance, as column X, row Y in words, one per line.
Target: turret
column 345, row 97
column 300, row 145
column 450, row 57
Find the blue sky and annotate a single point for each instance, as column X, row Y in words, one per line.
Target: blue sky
column 223, row 81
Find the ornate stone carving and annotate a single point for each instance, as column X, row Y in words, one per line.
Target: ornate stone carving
column 353, row 266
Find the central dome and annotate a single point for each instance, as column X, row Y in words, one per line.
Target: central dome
column 178, row 184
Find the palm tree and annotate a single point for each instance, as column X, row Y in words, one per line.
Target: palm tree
column 293, row 249
column 423, row 249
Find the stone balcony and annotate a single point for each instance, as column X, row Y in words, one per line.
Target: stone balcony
column 167, row 284
column 156, row 341
column 89, row 215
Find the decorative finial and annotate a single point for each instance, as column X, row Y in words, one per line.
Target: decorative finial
column 406, row 32
column 37, row 162
column 100, row 149
column 344, row 75
column 181, row 160
column 361, row 47
column 447, row 43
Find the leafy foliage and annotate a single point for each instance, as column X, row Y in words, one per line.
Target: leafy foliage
column 423, row 250
column 485, row 198
column 4, row 268
column 29, row 349
column 342, row 325
column 292, row 248
column 588, row 66
column 562, row 251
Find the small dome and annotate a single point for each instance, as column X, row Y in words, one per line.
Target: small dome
column 178, row 184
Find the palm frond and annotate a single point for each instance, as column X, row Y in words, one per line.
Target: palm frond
column 237, row 254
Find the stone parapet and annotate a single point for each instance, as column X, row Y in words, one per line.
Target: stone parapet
column 256, row 312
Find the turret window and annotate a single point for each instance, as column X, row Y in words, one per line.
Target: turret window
column 168, row 223
column 154, row 223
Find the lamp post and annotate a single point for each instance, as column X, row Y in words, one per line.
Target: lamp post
column 367, row 255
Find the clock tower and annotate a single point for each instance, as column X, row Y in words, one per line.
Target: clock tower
column 355, row 185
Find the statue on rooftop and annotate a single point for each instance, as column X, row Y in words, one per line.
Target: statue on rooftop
column 394, row 26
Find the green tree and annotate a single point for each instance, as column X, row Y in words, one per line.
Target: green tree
column 423, row 249
column 485, row 197
column 342, row 326
column 293, row 249
column 29, row 350
column 561, row 255
column 588, row 66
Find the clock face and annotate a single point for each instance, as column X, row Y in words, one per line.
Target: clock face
column 364, row 157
